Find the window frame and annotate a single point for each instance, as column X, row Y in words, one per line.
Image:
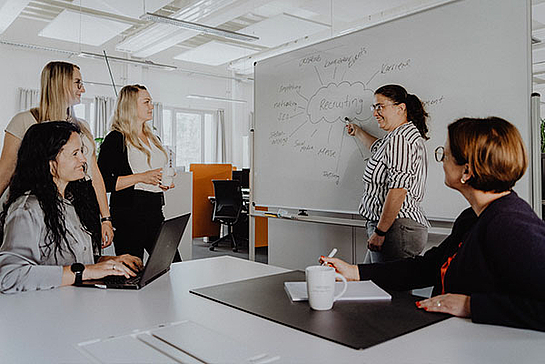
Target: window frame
column 174, row 110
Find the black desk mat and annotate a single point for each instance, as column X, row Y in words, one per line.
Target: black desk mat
column 356, row 324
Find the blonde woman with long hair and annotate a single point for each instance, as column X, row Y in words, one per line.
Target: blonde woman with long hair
column 131, row 159
column 61, row 87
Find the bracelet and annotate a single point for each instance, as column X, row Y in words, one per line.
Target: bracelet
column 105, row 218
column 380, row 232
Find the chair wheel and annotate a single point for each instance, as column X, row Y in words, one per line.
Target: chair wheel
column 211, row 248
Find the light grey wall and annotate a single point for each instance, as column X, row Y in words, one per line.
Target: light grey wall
column 22, row 68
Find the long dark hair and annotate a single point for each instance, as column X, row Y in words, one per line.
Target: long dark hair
column 41, row 144
column 415, row 110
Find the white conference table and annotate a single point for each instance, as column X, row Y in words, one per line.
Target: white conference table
column 46, row 326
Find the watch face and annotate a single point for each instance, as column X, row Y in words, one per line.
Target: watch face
column 77, row 267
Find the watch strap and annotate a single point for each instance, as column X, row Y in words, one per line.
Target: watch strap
column 380, row 232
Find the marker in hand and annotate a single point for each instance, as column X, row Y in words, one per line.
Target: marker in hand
column 331, row 255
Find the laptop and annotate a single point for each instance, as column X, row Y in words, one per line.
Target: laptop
column 158, row 263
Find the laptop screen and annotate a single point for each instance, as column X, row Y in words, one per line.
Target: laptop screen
column 165, row 247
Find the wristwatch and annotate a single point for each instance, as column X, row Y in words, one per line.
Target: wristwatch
column 380, row 232
column 78, row 269
column 106, row 218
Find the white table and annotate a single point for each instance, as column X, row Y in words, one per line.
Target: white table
column 46, row 326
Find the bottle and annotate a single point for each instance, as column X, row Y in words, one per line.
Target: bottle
column 168, row 170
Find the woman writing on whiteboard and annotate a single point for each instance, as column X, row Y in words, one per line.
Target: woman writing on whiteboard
column 395, row 176
column 131, row 159
column 490, row 267
column 61, row 88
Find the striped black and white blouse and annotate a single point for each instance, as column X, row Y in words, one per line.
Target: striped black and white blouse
column 398, row 160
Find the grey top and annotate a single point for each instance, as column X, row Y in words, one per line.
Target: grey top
column 24, row 265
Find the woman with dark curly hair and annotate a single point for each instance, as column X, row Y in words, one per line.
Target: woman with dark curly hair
column 46, row 224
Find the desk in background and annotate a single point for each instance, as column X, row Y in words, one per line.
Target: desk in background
column 46, row 326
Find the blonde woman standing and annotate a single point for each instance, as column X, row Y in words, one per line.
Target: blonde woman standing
column 61, row 88
column 131, row 159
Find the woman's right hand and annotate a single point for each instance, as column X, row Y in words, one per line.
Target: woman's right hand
column 152, row 177
column 112, row 266
column 349, row 271
column 351, row 129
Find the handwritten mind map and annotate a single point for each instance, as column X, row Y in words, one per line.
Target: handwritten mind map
column 310, row 115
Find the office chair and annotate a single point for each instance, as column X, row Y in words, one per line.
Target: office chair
column 227, row 208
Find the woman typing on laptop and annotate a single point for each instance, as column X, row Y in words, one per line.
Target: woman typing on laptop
column 45, row 223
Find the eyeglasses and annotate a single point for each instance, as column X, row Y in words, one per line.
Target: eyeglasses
column 440, row 154
column 79, row 84
column 379, row 107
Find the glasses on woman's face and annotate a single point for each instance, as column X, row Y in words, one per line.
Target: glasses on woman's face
column 380, row 107
column 440, row 154
column 79, row 84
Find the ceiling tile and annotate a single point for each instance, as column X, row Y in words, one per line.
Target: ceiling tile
column 94, row 30
column 281, row 29
column 214, row 53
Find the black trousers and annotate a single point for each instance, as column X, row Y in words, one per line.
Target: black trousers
column 137, row 226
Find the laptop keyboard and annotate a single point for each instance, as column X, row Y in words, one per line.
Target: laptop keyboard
column 122, row 279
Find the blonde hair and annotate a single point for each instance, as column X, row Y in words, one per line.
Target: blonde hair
column 55, row 83
column 124, row 120
column 493, row 149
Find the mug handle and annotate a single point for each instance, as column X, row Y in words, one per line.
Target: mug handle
column 341, row 277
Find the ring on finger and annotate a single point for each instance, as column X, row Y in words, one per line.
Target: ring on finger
column 438, row 303
column 113, row 267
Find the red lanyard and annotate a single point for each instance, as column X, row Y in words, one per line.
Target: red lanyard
column 444, row 268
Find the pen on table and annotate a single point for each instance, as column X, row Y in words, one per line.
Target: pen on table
column 346, row 120
column 331, row 255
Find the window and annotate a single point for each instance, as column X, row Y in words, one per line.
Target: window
column 185, row 131
column 86, row 110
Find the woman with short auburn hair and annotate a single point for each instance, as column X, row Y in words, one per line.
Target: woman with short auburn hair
column 491, row 267
column 497, row 160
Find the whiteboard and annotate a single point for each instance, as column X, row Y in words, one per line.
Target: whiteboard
column 464, row 58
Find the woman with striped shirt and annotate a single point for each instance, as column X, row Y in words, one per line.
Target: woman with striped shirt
column 395, row 176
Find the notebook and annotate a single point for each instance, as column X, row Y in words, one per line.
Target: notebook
column 356, row 291
column 159, row 261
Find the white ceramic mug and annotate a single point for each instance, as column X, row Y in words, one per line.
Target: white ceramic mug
column 321, row 286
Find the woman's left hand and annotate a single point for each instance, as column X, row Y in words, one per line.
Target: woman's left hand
column 375, row 242
column 107, row 234
column 454, row 304
column 166, row 188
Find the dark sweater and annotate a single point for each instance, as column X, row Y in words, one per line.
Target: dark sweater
column 113, row 162
column 500, row 264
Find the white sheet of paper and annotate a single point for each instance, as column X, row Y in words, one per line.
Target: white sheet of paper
column 356, row 291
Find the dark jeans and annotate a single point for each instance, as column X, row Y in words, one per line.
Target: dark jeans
column 137, row 227
column 406, row 238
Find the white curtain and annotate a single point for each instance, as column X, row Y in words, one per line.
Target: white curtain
column 218, row 137
column 28, row 99
column 104, row 109
column 157, row 121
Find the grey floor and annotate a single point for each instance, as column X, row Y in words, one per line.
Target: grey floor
column 200, row 249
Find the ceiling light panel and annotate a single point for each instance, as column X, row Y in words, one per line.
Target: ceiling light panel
column 214, row 53
column 129, row 8
column 538, row 13
column 95, row 31
column 9, row 11
column 281, row 29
